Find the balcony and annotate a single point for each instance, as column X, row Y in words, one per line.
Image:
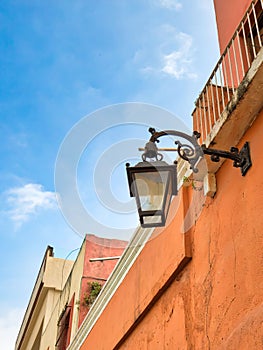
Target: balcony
column 232, row 96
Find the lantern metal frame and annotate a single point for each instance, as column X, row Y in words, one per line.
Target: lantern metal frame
column 158, row 166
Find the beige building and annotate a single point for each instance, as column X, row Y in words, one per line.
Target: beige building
column 59, row 301
column 51, row 278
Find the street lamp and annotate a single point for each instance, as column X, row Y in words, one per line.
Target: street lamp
column 153, row 182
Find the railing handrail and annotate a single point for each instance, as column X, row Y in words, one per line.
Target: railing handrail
column 230, row 70
column 230, row 42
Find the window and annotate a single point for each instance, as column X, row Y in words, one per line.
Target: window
column 64, row 326
column 63, row 335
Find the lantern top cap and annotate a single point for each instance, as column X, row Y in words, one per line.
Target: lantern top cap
column 154, row 164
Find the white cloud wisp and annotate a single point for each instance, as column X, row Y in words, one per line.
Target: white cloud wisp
column 178, row 63
column 27, row 200
column 170, row 4
column 172, row 56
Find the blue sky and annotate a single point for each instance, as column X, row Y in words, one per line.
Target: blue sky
column 61, row 61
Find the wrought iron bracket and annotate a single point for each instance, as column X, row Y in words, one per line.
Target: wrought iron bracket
column 192, row 151
column 241, row 159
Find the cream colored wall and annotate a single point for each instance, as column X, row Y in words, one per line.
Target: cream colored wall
column 61, row 280
column 45, row 306
column 35, row 323
column 44, row 303
column 49, row 333
column 72, row 285
column 56, row 272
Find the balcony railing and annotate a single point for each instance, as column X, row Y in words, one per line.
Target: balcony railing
column 230, row 71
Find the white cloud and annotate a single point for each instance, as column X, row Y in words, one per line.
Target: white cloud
column 27, row 200
column 170, row 4
column 9, row 327
column 172, row 55
column 178, row 63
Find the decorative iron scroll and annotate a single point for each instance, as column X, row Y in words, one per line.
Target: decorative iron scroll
column 192, row 152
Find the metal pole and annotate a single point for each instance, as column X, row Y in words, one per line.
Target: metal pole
column 105, row 258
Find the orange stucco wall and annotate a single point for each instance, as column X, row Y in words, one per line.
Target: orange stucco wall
column 216, row 303
column 228, row 16
column 212, row 301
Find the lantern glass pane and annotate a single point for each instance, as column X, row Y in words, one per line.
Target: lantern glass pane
column 156, row 219
column 151, row 189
